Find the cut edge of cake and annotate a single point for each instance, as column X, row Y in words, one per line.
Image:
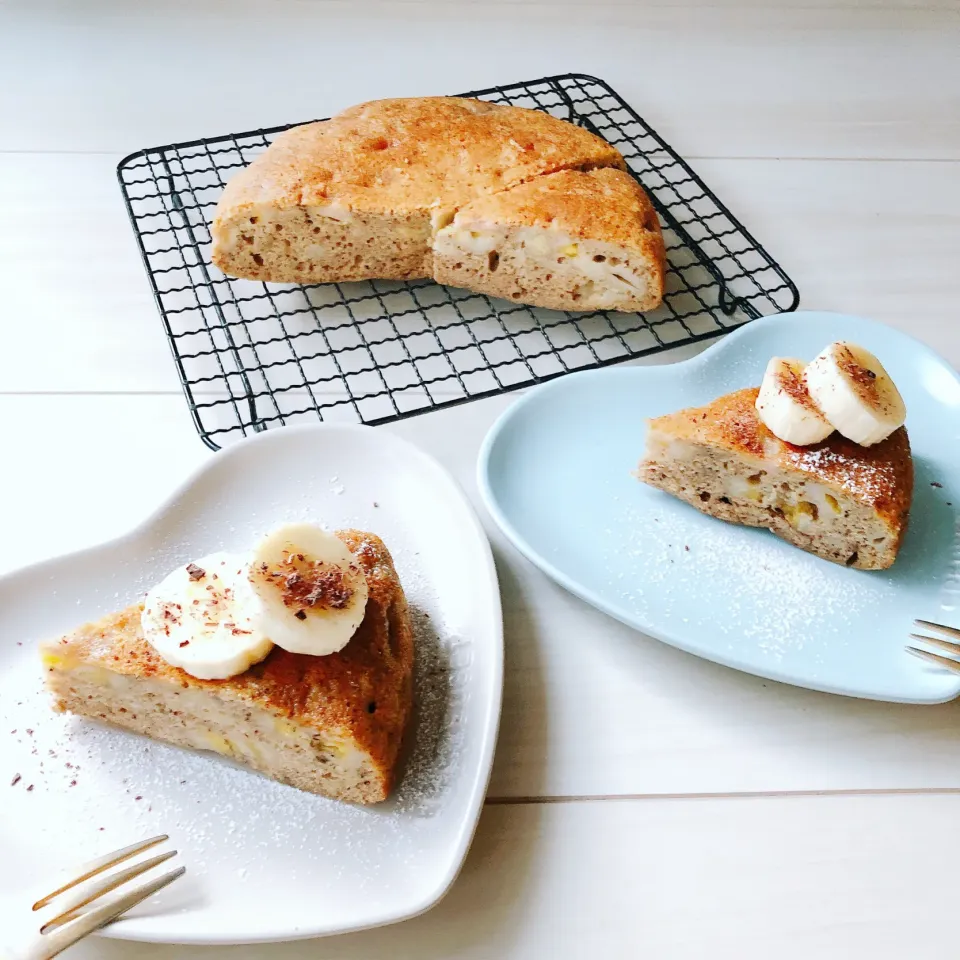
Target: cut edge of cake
column 573, row 240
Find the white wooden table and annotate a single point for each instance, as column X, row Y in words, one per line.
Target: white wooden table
column 643, row 803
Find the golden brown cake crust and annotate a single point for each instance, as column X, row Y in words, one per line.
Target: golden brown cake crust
column 403, row 156
column 880, row 476
column 366, row 689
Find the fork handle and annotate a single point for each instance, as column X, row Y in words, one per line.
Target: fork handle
column 39, row 947
column 30, row 948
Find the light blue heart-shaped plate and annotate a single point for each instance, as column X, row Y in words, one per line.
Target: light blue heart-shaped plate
column 555, row 473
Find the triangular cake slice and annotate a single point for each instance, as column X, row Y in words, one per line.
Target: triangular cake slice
column 331, row 725
column 841, row 501
column 574, row 240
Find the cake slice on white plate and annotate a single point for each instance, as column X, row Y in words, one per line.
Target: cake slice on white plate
column 330, row 724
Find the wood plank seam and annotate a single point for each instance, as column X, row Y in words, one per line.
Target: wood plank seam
column 733, row 795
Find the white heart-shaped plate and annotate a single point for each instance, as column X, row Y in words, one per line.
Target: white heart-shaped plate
column 264, row 861
column 555, row 473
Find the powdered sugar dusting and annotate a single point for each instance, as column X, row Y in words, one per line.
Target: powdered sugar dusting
column 767, row 602
column 863, row 471
column 136, row 786
column 743, row 596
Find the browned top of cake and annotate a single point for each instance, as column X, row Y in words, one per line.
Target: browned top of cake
column 881, row 475
column 365, row 690
column 408, row 155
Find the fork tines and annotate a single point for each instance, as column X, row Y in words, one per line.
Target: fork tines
column 951, row 647
column 92, row 881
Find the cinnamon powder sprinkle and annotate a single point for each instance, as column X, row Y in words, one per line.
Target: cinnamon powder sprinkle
column 860, row 375
column 305, row 583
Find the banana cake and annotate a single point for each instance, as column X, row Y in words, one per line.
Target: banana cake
column 331, row 725
column 837, row 499
column 368, row 194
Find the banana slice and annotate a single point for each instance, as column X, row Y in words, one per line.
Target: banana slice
column 206, row 618
column 786, row 407
column 855, row 393
column 313, row 591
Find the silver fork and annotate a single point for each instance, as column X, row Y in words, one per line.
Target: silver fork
column 942, row 644
column 75, row 907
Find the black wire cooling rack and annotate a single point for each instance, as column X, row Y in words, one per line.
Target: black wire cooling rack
column 253, row 355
